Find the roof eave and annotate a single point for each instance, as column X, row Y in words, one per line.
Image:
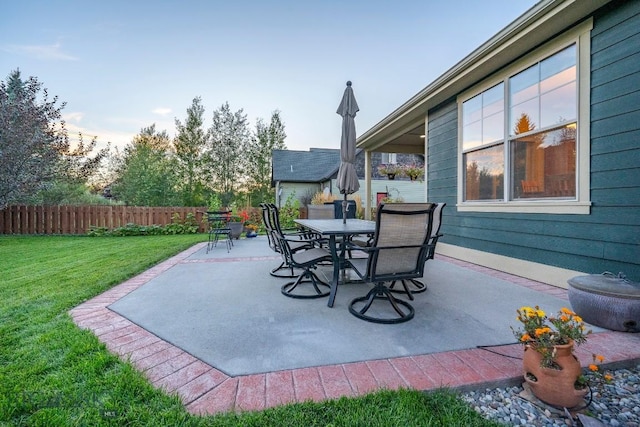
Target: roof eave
column 534, row 27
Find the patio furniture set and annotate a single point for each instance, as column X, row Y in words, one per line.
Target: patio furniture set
column 400, row 241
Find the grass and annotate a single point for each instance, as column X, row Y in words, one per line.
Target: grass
column 53, row 373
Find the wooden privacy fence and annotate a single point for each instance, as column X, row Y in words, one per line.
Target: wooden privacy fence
column 70, row 219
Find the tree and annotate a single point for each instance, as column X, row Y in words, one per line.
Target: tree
column 189, row 145
column 75, row 168
column 146, row 175
column 267, row 139
column 32, row 134
column 226, row 153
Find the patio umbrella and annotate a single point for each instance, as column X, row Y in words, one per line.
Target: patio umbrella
column 347, row 176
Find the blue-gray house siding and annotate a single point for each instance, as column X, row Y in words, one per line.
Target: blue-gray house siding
column 608, row 239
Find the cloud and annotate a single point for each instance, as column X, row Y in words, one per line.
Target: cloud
column 161, row 111
column 45, row 52
column 117, row 138
column 73, row 117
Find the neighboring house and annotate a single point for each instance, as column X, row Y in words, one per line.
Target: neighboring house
column 305, row 173
column 533, row 141
column 302, row 173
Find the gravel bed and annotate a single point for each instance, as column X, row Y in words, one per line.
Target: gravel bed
column 616, row 403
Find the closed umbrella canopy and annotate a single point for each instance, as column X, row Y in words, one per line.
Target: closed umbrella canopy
column 347, row 176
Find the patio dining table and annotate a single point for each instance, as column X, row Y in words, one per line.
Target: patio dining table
column 334, row 228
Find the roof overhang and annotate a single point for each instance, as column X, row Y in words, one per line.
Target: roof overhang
column 400, row 131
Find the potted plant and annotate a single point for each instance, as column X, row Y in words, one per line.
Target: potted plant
column 413, row 171
column 236, row 223
column 551, row 370
column 251, row 229
column 391, row 170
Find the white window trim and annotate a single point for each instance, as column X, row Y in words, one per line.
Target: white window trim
column 391, row 157
column 581, row 36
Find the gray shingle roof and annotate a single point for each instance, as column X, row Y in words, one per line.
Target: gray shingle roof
column 315, row 165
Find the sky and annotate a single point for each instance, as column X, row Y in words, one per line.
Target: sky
column 122, row 65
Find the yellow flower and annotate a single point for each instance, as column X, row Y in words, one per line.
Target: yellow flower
column 608, row 377
column 593, row 368
column 540, row 313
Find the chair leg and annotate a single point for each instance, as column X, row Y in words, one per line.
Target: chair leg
column 229, row 243
column 417, row 287
column 283, row 266
column 381, row 292
column 288, row 288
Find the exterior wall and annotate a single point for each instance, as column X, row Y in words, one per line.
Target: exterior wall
column 608, row 239
column 410, row 191
column 301, row 189
column 376, row 160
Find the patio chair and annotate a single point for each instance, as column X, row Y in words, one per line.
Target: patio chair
column 415, row 286
column 337, row 208
column 299, row 240
column 306, row 259
column 399, row 251
column 219, row 228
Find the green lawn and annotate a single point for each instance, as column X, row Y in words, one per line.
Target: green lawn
column 52, row 373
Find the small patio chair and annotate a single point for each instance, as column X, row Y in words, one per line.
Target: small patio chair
column 219, row 228
column 399, row 251
column 415, row 286
column 299, row 240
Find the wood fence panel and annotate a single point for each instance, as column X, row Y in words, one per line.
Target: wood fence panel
column 31, row 219
column 22, row 214
column 70, row 219
column 38, row 223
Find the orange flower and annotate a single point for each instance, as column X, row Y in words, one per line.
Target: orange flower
column 565, row 310
column 525, row 337
column 608, row 377
column 593, row 368
column 542, row 331
column 600, row 358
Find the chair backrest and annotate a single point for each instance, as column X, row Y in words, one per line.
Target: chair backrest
column 401, row 241
column 351, row 209
column 435, row 229
column 218, row 220
column 320, row 212
column 271, row 224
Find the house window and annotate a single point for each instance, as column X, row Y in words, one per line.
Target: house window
column 388, row 158
column 522, row 134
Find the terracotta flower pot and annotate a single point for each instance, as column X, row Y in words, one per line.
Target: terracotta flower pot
column 554, row 386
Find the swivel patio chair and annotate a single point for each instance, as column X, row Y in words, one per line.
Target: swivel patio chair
column 306, row 259
column 399, row 251
column 219, row 228
column 299, row 240
column 415, row 286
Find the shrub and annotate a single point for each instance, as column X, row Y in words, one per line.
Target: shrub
column 177, row 226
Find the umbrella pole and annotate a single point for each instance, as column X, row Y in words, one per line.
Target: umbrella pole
column 344, row 209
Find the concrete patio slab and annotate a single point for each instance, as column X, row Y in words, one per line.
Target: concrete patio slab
column 214, row 329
